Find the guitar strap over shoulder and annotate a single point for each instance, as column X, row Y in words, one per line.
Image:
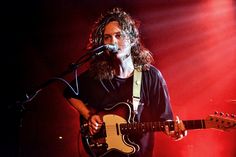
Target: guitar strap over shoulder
column 137, row 81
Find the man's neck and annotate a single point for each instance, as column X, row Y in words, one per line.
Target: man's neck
column 125, row 68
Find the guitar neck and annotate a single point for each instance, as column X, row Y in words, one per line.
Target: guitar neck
column 127, row 128
column 194, row 124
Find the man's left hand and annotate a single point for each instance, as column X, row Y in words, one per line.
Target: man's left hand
column 179, row 130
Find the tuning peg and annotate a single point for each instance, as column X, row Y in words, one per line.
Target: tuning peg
column 216, row 112
column 227, row 115
column 232, row 115
column 221, row 113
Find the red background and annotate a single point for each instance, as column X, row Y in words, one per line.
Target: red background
column 193, row 44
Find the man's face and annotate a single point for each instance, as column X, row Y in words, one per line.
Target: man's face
column 114, row 35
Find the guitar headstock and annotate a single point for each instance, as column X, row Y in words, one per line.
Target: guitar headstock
column 221, row 121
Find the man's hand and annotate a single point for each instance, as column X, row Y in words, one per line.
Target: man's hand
column 95, row 124
column 179, row 130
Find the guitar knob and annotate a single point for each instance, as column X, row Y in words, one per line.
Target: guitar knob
column 227, row 115
column 216, row 112
column 233, row 116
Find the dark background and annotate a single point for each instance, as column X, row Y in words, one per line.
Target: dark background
column 193, row 44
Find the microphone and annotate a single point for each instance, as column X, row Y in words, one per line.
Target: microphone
column 111, row 48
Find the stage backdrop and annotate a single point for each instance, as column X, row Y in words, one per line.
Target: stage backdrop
column 193, row 43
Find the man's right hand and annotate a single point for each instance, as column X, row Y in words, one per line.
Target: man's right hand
column 95, row 123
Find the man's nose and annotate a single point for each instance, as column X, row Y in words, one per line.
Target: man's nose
column 113, row 40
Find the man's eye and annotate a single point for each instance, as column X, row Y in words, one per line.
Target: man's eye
column 118, row 36
column 106, row 38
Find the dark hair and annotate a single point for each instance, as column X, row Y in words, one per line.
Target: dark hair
column 101, row 67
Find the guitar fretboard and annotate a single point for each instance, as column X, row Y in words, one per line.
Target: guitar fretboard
column 127, row 128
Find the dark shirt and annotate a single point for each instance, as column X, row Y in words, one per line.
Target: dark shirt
column 100, row 94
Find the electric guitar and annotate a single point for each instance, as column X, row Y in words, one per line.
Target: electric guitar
column 118, row 125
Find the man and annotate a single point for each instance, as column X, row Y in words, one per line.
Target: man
column 109, row 81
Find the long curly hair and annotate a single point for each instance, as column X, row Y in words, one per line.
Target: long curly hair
column 102, row 67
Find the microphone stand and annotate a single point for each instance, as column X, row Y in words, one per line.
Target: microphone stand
column 91, row 54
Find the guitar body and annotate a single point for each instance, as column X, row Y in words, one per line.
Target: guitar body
column 109, row 138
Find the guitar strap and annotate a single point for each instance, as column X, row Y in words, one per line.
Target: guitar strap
column 137, row 81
